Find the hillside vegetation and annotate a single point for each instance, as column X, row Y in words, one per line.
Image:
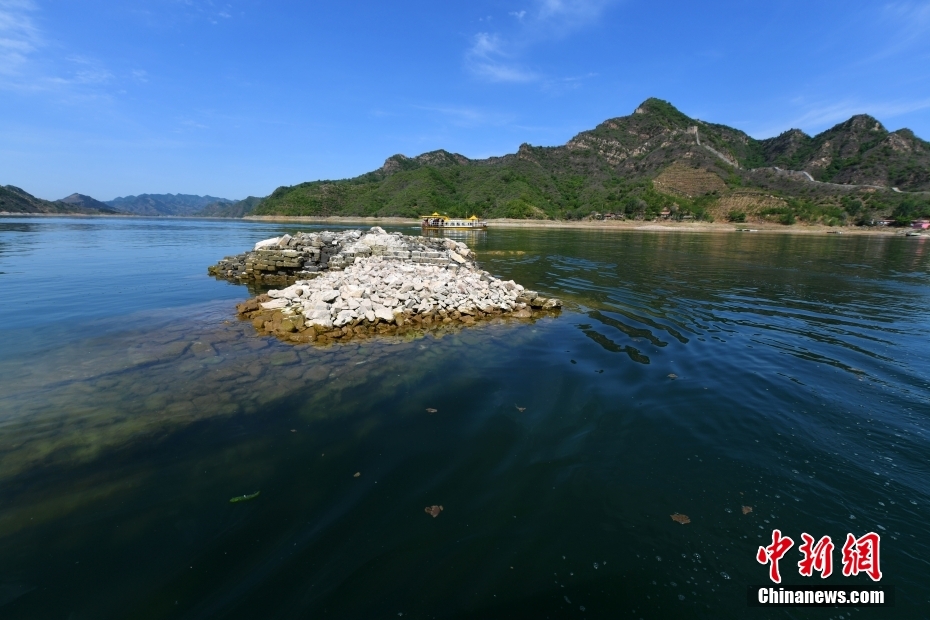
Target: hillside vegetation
column 639, row 165
column 239, row 208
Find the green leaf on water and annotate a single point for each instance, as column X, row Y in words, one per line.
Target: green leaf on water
column 244, row 498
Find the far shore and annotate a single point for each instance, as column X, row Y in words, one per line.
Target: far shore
column 610, row 225
column 603, row 225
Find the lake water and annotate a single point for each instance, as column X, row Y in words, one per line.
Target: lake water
column 688, row 374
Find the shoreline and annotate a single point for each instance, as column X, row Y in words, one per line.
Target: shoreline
column 602, row 225
column 609, row 225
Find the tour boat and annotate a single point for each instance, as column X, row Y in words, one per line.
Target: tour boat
column 442, row 222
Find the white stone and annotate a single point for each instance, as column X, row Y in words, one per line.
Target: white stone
column 275, row 304
column 345, row 317
column 322, row 323
column 384, row 314
column 267, row 243
column 380, row 289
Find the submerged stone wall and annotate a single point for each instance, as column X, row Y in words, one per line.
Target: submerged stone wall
column 376, row 284
column 284, row 260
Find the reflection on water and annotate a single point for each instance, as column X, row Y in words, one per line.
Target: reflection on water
column 690, row 374
column 80, row 400
column 470, row 237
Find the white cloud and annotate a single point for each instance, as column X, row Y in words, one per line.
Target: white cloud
column 570, row 14
column 84, row 71
column 563, row 84
column 18, row 35
column 31, row 62
column 818, row 116
column 500, row 58
column 907, row 25
column 488, row 59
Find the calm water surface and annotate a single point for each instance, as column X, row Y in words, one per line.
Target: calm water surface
column 689, row 373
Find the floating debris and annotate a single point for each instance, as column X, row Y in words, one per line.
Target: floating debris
column 293, row 430
column 433, row 511
column 357, row 474
column 679, row 518
column 520, row 409
column 244, row 498
column 431, row 410
column 672, row 376
column 747, row 510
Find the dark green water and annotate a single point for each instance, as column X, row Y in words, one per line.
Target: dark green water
column 133, row 406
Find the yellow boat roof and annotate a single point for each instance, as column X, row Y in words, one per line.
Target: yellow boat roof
column 473, row 218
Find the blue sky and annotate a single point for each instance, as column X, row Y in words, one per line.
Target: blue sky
column 232, row 98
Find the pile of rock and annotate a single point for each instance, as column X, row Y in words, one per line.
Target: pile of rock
column 384, row 290
column 286, row 259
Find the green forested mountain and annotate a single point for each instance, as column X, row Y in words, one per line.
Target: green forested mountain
column 656, row 158
column 239, row 208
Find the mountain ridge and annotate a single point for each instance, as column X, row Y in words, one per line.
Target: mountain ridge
column 165, row 204
column 86, row 202
column 642, row 165
column 16, row 200
column 654, row 162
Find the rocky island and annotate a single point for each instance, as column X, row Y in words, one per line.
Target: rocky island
column 353, row 284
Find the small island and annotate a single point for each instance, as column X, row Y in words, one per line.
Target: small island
column 355, row 284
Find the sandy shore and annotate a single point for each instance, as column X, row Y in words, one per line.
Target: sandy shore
column 613, row 225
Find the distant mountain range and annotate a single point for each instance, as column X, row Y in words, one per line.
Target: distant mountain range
column 16, row 200
column 166, row 204
column 81, row 201
column 656, row 162
column 653, row 161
